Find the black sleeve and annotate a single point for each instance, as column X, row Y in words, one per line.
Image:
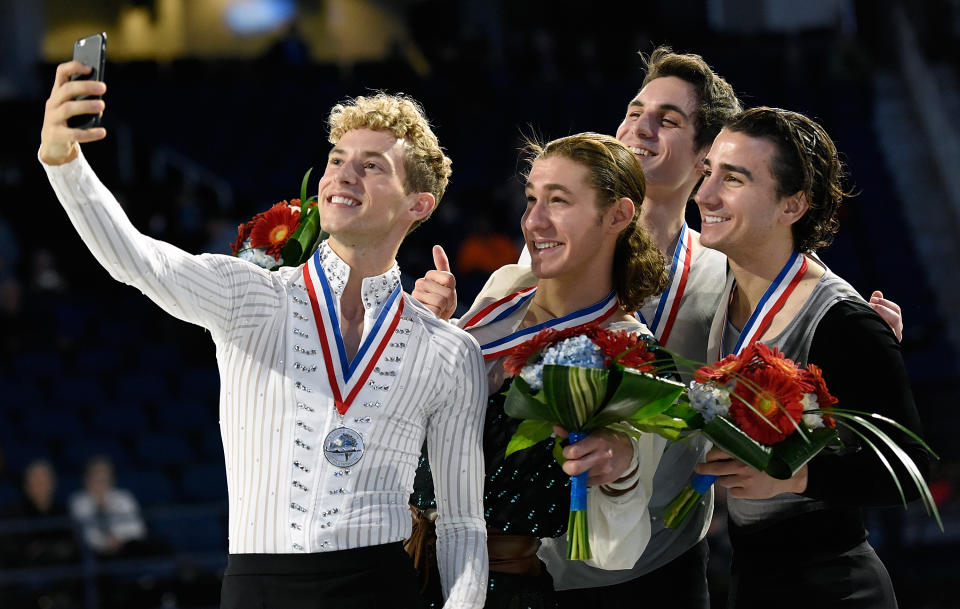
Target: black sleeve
column 863, row 368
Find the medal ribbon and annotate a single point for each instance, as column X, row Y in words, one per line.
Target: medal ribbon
column 596, row 312
column 671, row 297
column 501, row 309
column 345, row 383
column 770, row 304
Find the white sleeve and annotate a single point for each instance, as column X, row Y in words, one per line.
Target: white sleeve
column 619, row 526
column 198, row 289
column 125, row 521
column 455, row 450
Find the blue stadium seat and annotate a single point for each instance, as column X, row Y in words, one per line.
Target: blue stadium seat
column 151, row 488
column 163, row 449
column 85, row 390
column 142, row 387
column 52, row 423
column 204, row 483
column 78, row 450
column 190, row 531
column 115, row 419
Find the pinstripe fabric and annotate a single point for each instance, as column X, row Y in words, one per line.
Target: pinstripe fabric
column 276, row 406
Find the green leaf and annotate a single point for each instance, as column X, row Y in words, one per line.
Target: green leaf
column 880, row 417
column 791, row 454
column 529, row 433
column 574, row 393
column 683, row 410
column 912, row 470
column 519, row 404
column 558, row 450
column 735, row 441
column 668, row 427
column 300, row 242
column 624, row 428
column 638, row 397
column 303, row 192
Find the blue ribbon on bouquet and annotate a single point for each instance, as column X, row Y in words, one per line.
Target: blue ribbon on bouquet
column 578, row 483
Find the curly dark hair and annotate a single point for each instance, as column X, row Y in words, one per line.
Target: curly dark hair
column 806, row 161
column 716, row 99
column 639, row 269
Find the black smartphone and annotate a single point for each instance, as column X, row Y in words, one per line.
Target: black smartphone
column 92, row 51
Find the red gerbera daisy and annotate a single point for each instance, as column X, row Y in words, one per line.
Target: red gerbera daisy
column 819, row 387
column 773, row 357
column 273, row 227
column 774, row 398
column 630, row 348
column 721, row 371
column 243, row 233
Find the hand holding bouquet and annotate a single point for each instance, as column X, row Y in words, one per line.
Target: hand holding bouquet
column 585, row 379
column 773, row 415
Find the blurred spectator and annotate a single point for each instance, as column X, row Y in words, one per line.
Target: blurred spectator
column 43, row 546
column 46, row 277
column 485, row 249
column 109, row 517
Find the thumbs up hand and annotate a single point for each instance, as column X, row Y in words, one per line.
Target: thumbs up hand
column 437, row 290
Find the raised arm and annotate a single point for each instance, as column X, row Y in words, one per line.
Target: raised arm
column 456, row 460
column 199, row 289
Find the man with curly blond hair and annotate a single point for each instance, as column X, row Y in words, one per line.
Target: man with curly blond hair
column 331, row 376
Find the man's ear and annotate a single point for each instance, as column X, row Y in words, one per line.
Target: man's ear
column 699, row 166
column 621, row 214
column 794, row 207
column 421, row 204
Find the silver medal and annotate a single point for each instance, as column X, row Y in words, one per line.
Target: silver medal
column 343, row 447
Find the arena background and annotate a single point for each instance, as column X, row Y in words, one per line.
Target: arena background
column 216, row 109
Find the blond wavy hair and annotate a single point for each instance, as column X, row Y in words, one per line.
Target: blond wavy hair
column 427, row 167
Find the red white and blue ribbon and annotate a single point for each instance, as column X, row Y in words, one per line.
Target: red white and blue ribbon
column 500, row 309
column 669, row 303
column 596, row 312
column 347, row 377
column 770, row 304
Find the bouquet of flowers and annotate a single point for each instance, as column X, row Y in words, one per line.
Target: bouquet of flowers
column 284, row 235
column 584, row 379
column 773, row 415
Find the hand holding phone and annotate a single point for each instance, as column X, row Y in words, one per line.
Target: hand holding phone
column 58, row 140
column 91, row 51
